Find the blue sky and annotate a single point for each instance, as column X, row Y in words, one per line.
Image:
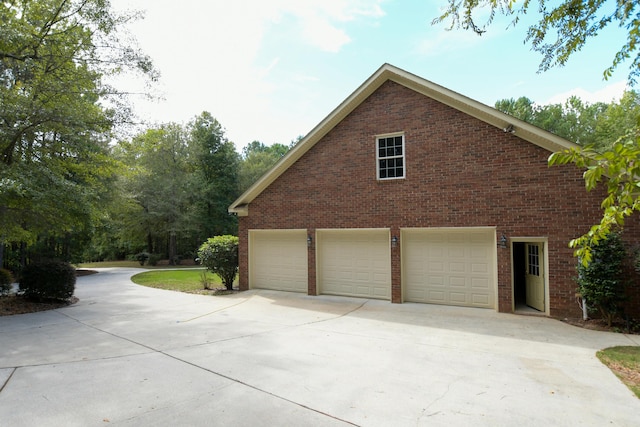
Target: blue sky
column 271, row 70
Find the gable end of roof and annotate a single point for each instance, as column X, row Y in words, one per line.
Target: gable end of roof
column 387, row 72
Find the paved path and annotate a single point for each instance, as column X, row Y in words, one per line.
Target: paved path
column 127, row 355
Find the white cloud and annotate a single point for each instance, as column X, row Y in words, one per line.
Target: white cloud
column 446, row 41
column 212, row 57
column 607, row 94
column 319, row 20
column 322, row 34
column 443, row 40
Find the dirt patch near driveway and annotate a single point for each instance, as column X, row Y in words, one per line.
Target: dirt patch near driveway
column 600, row 325
column 16, row 304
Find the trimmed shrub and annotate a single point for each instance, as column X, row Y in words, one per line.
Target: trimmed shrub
column 6, row 279
column 48, row 280
column 601, row 282
column 153, row 259
column 142, row 257
column 220, row 255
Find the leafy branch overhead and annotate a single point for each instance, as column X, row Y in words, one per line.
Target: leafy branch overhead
column 620, row 169
column 562, row 29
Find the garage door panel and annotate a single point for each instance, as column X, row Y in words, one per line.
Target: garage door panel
column 437, row 253
column 436, row 296
column 436, row 266
column 381, row 293
column 459, row 282
column 480, row 268
column 457, row 267
column 449, row 266
column 456, row 253
column 436, row 280
column 480, row 300
column 478, row 257
column 279, row 260
column 363, row 277
column 354, row 263
column 480, row 283
column 458, row 297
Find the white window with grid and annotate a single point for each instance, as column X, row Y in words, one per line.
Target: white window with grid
column 534, row 260
column 390, row 157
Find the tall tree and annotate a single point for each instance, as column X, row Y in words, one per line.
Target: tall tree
column 54, row 127
column 178, row 183
column 214, row 181
column 617, row 120
column 574, row 120
column 257, row 159
column 158, row 164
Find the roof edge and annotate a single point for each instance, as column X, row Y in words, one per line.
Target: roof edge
column 321, row 129
column 483, row 112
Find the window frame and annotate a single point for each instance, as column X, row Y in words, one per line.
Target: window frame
column 533, row 261
column 403, row 156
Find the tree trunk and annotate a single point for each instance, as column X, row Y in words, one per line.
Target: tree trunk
column 23, row 255
column 172, row 248
column 149, row 243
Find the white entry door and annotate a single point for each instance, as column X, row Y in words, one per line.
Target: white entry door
column 534, row 276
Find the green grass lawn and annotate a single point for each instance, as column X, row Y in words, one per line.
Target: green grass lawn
column 188, row 280
column 625, row 363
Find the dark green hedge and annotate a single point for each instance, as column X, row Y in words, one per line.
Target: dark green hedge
column 48, row 280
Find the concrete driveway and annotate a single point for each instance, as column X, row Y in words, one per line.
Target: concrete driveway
column 127, row 355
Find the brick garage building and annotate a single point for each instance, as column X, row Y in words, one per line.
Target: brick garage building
column 411, row 192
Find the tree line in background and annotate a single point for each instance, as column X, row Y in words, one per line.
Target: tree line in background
column 166, row 190
column 598, row 125
column 67, row 192
column 56, row 115
column 164, row 193
column 174, row 186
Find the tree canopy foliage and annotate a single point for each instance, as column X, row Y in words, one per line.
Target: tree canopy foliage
column 257, row 159
column 214, row 179
column 179, row 181
column 619, row 168
column 174, row 188
column 598, row 125
column 563, row 27
column 54, row 125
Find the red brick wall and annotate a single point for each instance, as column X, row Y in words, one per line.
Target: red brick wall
column 460, row 172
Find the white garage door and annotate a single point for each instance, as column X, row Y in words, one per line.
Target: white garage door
column 354, row 263
column 450, row 266
column 278, row 260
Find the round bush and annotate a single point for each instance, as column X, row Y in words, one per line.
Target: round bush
column 142, row 257
column 220, row 255
column 153, row 259
column 6, row 279
column 48, row 280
